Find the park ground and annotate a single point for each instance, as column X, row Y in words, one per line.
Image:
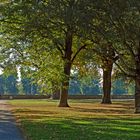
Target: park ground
column 84, row 120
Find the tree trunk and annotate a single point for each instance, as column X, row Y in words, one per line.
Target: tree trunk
column 64, row 95
column 67, row 68
column 107, row 71
column 137, row 94
column 65, row 87
column 137, row 84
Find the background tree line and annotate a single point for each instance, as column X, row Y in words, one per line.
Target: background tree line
column 9, row 85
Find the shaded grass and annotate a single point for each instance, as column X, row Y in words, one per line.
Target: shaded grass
column 84, row 120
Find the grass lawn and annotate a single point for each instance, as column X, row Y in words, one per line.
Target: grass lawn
column 84, row 120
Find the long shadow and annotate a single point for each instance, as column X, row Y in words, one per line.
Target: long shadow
column 105, row 110
column 33, row 111
column 79, row 129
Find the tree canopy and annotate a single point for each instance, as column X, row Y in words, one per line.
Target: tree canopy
column 52, row 38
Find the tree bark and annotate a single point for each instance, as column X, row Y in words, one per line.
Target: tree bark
column 107, row 71
column 137, row 84
column 64, row 95
column 65, row 86
column 137, row 95
column 67, row 68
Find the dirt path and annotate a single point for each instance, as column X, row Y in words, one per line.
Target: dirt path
column 8, row 128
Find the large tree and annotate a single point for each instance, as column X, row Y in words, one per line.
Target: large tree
column 123, row 16
column 52, row 22
column 99, row 34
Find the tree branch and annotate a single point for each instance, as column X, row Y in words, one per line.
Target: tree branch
column 78, row 51
column 60, row 49
column 124, row 72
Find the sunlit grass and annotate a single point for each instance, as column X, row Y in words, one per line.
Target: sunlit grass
column 84, row 120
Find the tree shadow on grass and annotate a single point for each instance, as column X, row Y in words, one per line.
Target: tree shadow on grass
column 113, row 111
column 33, row 114
column 79, row 129
column 101, row 108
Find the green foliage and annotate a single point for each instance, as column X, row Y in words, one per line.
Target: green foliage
column 43, row 36
column 38, row 32
column 124, row 16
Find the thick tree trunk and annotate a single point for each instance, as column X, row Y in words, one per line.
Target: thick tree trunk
column 107, row 71
column 137, row 94
column 67, row 68
column 137, row 84
column 64, row 95
column 65, row 87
